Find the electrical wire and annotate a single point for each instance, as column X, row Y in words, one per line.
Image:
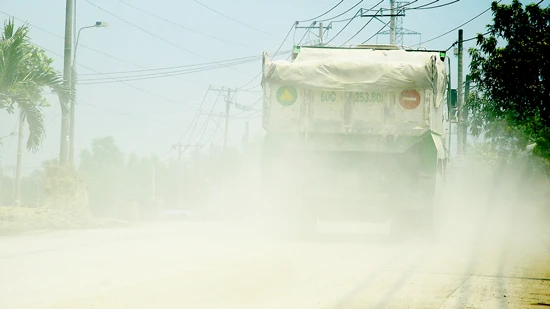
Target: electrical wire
column 123, row 82
column 456, row 28
column 218, row 127
column 278, row 49
column 170, row 72
column 147, row 31
column 325, row 13
column 120, row 113
column 389, row 9
column 284, row 40
column 195, row 118
column 207, row 120
column 110, row 79
column 250, row 82
column 349, row 22
column 305, row 33
column 359, row 31
column 81, row 45
column 175, row 67
column 433, row 7
column 341, row 30
column 182, row 26
column 423, row 5
column 250, row 106
column 275, row 54
column 235, row 20
column 97, row 51
column 467, row 40
column 377, row 32
column 343, row 13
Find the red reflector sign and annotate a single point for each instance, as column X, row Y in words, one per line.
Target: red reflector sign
column 409, row 99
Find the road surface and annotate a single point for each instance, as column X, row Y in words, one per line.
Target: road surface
column 502, row 263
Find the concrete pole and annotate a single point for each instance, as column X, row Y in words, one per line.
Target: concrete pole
column 67, row 81
column 460, row 93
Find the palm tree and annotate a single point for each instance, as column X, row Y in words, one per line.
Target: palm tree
column 24, row 71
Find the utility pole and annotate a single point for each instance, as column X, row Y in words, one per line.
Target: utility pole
column 460, row 103
column 227, row 108
column 67, row 68
column 321, row 27
column 392, row 22
column 20, row 137
column 179, row 146
column 465, row 114
column 321, row 41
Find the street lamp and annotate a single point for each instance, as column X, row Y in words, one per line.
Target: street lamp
column 98, row 24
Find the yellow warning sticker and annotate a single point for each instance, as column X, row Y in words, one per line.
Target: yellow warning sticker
column 287, row 95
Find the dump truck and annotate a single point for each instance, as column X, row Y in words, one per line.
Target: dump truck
column 355, row 134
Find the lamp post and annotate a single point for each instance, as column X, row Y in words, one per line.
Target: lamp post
column 99, row 24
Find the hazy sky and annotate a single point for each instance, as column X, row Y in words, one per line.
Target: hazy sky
column 150, row 120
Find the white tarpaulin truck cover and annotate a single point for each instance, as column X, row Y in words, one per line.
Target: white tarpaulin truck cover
column 338, row 69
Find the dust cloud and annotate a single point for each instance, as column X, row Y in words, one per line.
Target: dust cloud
column 488, row 249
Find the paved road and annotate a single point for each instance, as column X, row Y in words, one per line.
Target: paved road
column 502, row 263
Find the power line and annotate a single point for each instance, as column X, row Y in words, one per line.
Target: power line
column 120, row 113
column 349, row 22
column 341, row 30
column 456, row 28
column 61, row 37
column 284, row 40
column 176, row 67
column 208, row 119
column 275, row 54
column 123, row 82
column 467, row 40
column 250, row 82
column 146, row 31
column 359, row 31
column 399, row 7
column 233, row 19
column 377, row 32
column 325, row 13
column 182, row 26
column 110, row 79
column 197, row 114
column 343, row 13
column 94, row 50
column 305, row 33
column 218, row 127
column 252, row 105
column 422, row 7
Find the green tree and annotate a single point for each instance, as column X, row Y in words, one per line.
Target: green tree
column 24, row 71
column 511, row 70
